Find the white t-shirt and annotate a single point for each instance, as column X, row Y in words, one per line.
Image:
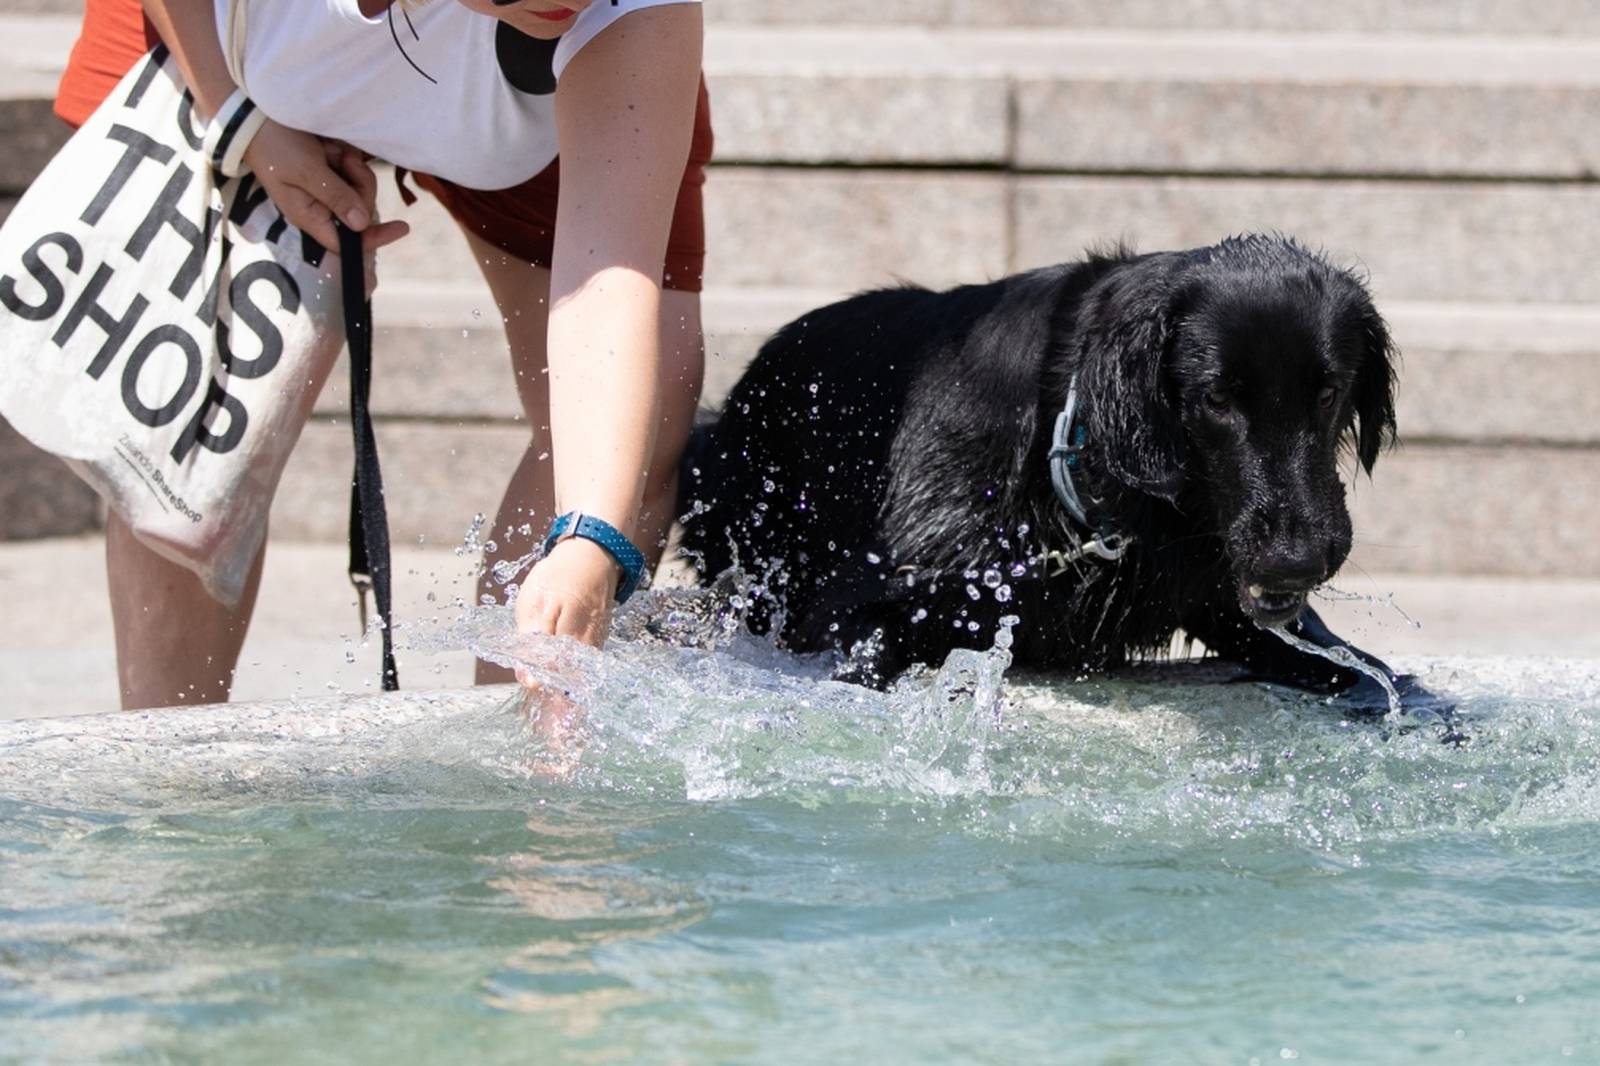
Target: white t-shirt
column 323, row 67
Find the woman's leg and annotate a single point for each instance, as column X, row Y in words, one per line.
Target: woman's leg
column 521, row 293
column 175, row 644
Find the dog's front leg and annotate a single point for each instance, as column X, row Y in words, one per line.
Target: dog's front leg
column 1230, row 634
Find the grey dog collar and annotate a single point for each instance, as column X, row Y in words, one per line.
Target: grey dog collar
column 1066, row 448
column 1066, row 453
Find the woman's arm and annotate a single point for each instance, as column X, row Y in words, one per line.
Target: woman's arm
column 311, row 181
column 625, row 112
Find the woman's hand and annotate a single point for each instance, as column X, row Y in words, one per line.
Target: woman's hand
column 569, row 593
column 314, row 181
column 311, row 181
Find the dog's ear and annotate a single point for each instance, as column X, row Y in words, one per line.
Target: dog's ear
column 1122, row 342
column 1373, row 391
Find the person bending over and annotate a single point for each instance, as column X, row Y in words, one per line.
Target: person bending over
column 493, row 106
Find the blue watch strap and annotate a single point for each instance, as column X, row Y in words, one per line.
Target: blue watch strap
column 609, row 537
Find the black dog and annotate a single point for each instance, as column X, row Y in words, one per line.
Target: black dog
column 1107, row 451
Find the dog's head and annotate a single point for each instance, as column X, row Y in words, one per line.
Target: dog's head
column 1227, row 380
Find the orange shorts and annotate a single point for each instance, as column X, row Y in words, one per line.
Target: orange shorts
column 520, row 221
column 115, row 36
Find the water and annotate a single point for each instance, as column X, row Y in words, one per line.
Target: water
column 729, row 859
column 1347, row 658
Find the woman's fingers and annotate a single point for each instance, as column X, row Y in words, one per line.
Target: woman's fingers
column 307, row 215
column 588, row 625
column 557, row 615
column 294, row 168
column 359, row 173
column 375, row 237
column 532, row 605
column 338, row 196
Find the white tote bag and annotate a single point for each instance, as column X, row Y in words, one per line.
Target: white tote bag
column 162, row 327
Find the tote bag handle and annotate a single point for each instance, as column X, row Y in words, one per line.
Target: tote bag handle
column 233, row 39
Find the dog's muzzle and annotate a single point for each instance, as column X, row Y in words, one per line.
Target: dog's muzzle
column 1271, row 607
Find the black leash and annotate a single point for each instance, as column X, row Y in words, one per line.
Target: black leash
column 369, row 520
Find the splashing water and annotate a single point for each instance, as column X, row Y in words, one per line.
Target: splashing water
column 1342, row 657
column 725, row 856
column 505, row 571
column 1337, row 595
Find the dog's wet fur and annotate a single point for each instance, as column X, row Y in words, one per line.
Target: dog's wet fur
column 881, row 455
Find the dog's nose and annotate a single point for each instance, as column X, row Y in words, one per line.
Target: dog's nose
column 1296, row 565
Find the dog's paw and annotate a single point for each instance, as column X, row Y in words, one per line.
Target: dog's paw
column 1417, row 702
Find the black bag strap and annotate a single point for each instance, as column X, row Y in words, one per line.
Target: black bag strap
column 369, row 520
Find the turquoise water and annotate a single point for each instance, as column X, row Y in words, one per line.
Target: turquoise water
column 730, row 860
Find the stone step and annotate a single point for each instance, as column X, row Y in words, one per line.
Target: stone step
column 1430, row 508
column 1080, row 100
column 1436, row 241
column 846, row 229
column 39, row 495
column 1363, row 16
column 1511, row 17
column 1480, row 510
column 839, row 229
column 33, row 50
column 1470, row 373
column 436, row 477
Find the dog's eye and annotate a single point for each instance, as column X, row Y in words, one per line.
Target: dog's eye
column 1328, row 396
column 1217, row 401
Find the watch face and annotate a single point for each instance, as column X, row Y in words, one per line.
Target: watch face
column 527, row 62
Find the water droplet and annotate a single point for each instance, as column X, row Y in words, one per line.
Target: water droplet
column 471, row 544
